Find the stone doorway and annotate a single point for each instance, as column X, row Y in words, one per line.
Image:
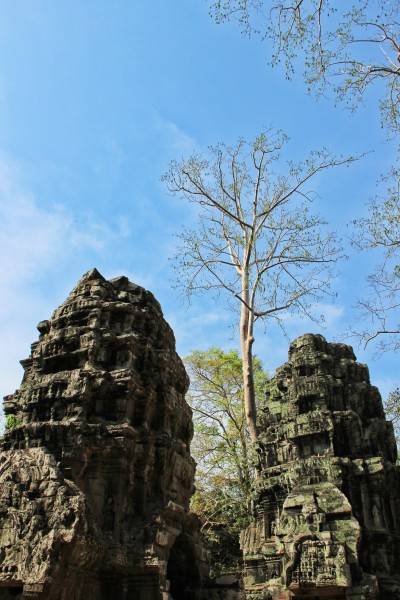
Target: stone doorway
column 182, row 571
column 11, row 593
column 329, row 595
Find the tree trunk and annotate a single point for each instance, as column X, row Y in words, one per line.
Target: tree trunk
column 246, row 342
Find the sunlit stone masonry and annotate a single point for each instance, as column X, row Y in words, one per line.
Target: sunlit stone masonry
column 95, row 470
column 326, row 502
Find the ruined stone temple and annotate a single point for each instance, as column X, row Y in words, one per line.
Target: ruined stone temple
column 326, row 502
column 95, row 470
column 96, row 474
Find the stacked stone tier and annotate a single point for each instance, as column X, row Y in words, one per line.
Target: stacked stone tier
column 95, row 473
column 326, row 502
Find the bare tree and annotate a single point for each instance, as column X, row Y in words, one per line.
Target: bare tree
column 380, row 231
column 343, row 46
column 257, row 240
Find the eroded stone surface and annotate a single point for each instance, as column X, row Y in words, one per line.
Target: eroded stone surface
column 96, row 477
column 327, row 498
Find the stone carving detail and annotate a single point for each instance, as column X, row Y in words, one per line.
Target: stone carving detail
column 326, row 502
column 96, row 477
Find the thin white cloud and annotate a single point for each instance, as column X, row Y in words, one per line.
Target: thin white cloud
column 178, row 141
column 330, row 316
column 195, row 329
column 34, row 237
column 37, row 242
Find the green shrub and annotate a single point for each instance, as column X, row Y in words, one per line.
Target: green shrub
column 12, row 421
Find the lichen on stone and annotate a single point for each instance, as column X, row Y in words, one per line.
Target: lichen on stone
column 95, row 473
column 326, row 502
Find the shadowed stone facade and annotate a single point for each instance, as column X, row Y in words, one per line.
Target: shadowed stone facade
column 95, row 473
column 326, row 503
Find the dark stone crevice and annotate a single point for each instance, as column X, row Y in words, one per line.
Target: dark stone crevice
column 336, row 532
column 97, row 471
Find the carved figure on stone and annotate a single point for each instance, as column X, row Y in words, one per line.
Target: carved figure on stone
column 339, row 530
column 96, row 476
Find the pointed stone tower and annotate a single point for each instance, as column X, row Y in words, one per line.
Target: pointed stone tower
column 95, row 470
column 326, row 503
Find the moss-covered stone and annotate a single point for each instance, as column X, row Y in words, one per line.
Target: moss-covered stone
column 326, row 503
column 95, row 473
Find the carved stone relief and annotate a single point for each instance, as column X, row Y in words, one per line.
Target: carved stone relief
column 326, row 501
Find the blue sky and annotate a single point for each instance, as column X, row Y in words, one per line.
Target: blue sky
column 96, row 98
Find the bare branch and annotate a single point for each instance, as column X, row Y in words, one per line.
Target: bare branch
column 347, row 48
column 256, row 241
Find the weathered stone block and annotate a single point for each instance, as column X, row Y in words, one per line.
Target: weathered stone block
column 326, row 503
column 96, row 477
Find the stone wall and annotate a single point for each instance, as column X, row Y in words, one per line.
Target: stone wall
column 326, row 502
column 95, row 473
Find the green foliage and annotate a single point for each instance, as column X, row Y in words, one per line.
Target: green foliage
column 222, row 449
column 12, row 421
column 348, row 48
column 224, row 517
column 380, row 231
column 392, row 409
column 344, row 46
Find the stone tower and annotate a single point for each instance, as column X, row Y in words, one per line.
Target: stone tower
column 326, row 502
column 95, row 470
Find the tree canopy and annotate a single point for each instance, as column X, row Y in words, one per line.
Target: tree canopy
column 257, row 241
column 350, row 49
column 392, row 408
column 222, row 448
column 347, row 47
column 380, row 230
